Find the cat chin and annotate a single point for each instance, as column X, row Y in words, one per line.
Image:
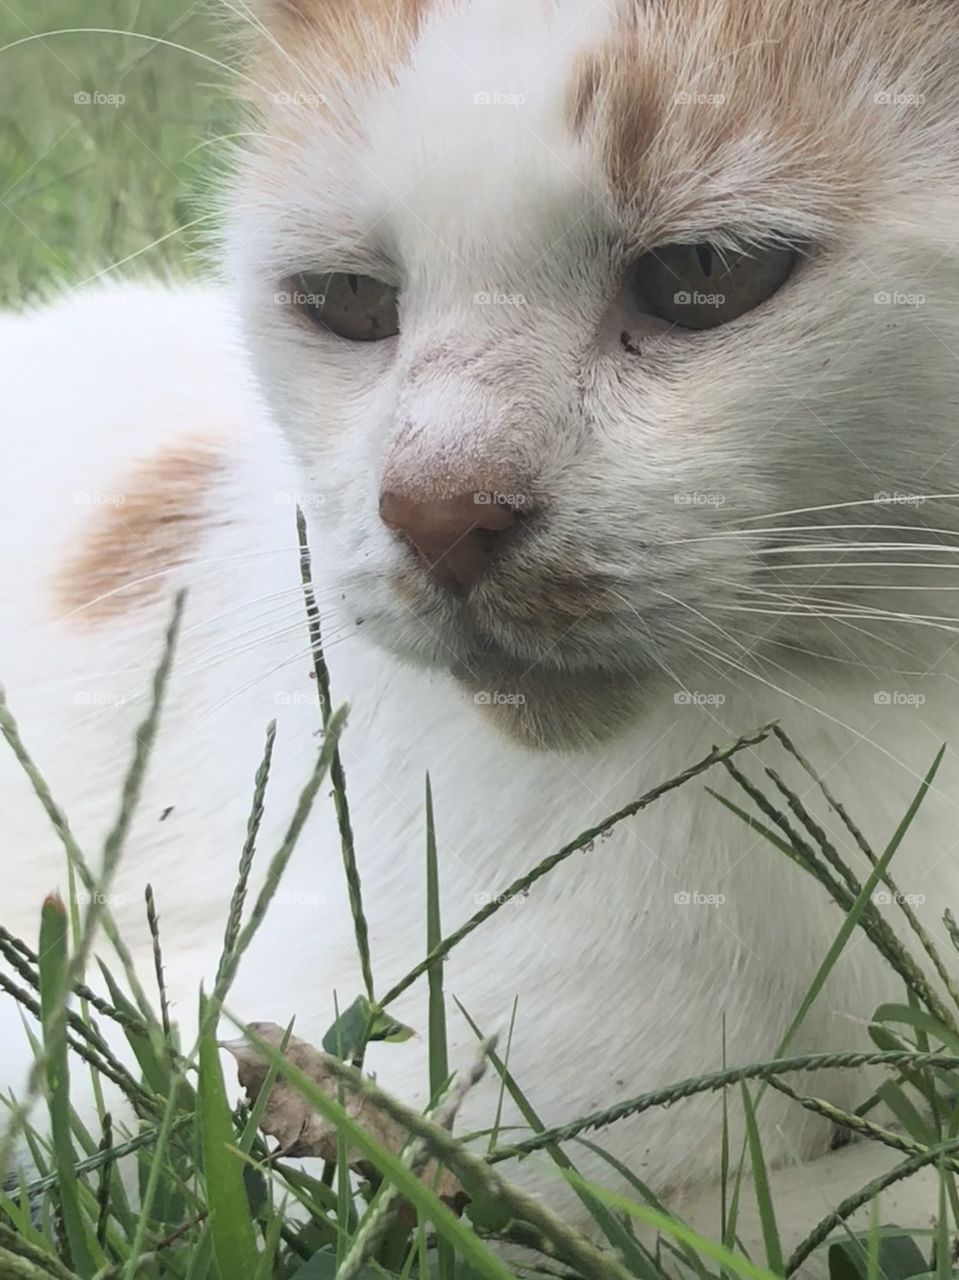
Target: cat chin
column 548, row 710
column 542, row 706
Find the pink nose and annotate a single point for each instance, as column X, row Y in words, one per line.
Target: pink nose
column 456, row 537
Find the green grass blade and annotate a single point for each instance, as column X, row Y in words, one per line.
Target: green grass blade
column 586, row 840
column 920, row 1020
column 143, row 1040
column 96, row 914
column 855, row 912
column 873, row 1268
column 280, row 859
column 767, row 1214
column 849, row 924
column 906, row 1113
column 637, row 1257
column 943, row 1243
column 438, row 1047
column 153, row 922
column 438, row 1051
column 156, row 1175
column 344, row 1195
column 85, row 1253
column 235, row 915
column 688, row 1255
column 271, row 1242
column 248, row 1136
column 678, row 1230
column 337, row 775
column 234, row 1242
column 501, row 1098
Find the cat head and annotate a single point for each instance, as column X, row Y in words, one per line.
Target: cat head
column 603, row 333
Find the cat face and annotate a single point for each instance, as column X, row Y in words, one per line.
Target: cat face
column 588, row 322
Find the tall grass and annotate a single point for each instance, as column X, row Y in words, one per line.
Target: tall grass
column 216, row 1201
column 85, row 185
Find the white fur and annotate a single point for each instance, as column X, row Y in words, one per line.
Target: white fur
column 824, row 398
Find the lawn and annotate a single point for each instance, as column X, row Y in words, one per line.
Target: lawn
column 108, row 142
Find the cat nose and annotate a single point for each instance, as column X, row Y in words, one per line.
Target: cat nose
column 455, row 537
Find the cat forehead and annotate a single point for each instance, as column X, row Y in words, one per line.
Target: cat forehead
column 737, row 113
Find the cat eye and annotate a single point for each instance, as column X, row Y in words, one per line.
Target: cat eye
column 352, row 306
column 698, row 286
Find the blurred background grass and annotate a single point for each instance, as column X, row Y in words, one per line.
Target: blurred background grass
column 85, row 184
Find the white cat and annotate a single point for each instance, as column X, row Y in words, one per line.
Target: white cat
column 612, row 353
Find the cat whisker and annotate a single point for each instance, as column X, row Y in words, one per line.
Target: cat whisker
column 842, row 724
column 783, row 595
column 793, row 529
column 869, row 615
column 819, row 585
column 211, row 658
column 704, row 646
column 935, row 548
column 290, row 597
column 298, row 655
column 845, row 506
column 215, row 562
column 822, row 656
column 152, row 40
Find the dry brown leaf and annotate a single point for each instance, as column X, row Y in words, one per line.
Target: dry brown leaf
column 301, row 1131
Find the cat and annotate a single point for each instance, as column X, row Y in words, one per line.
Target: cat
column 610, row 353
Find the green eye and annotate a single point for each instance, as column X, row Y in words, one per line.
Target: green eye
column 352, row 306
column 696, row 286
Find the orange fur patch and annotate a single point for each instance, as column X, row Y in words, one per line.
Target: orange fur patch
column 154, row 522
column 734, row 100
column 356, row 39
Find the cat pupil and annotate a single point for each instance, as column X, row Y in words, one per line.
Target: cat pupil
column 705, row 255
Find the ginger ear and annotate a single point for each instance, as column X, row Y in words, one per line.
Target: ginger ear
column 364, row 39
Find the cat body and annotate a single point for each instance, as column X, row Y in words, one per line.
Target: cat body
column 705, row 531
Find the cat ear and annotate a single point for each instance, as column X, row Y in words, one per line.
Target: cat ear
column 355, row 34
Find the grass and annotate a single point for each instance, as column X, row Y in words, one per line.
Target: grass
column 89, row 186
column 215, row 1201
column 85, row 185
